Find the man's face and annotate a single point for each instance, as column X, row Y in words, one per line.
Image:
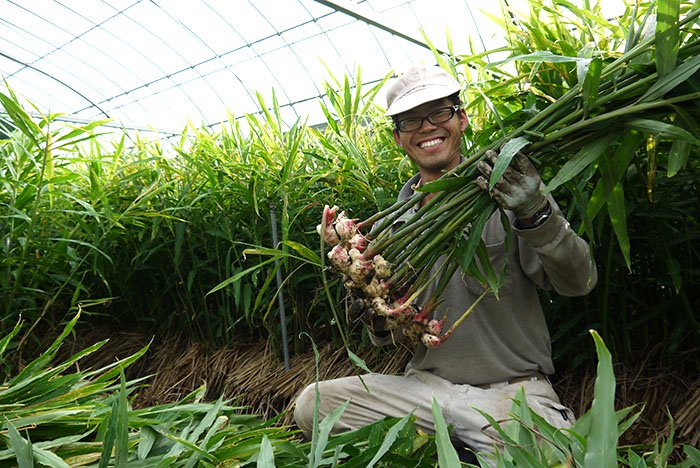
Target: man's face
column 435, row 148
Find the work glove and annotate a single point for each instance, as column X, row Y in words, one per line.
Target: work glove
column 520, row 188
column 359, row 308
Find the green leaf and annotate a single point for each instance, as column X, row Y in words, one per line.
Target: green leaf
column 584, row 158
column 466, row 248
column 324, row 431
column 358, row 361
column 245, row 272
column 662, row 130
column 693, row 454
column 601, row 451
column 389, row 440
column 670, row 81
column 48, row 458
column 8, row 338
column 505, row 155
column 667, row 35
column 678, row 157
column 447, row 455
column 117, row 435
column 634, row 460
column 305, row 252
column 591, row 84
column 618, row 217
column 544, row 56
column 521, row 434
column 266, row 457
column 21, row 446
column 20, row 118
column 611, row 171
column 147, row 438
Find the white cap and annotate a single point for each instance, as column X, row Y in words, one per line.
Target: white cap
column 420, row 84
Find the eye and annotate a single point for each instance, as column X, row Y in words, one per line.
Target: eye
column 406, row 125
column 441, row 115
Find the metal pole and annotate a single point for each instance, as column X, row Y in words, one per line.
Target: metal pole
column 280, row 295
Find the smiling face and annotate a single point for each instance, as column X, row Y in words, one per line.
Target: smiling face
column 435, row 148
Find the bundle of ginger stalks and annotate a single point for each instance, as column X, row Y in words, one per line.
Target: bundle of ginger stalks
column 652, row 90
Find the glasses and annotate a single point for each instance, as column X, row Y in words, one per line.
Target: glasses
column 437, row 116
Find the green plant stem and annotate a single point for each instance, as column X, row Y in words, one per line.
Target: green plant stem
column 425, row 257
column 622, row 112
column 407, row 236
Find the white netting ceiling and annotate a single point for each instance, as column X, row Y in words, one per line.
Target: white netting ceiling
column 161, row 63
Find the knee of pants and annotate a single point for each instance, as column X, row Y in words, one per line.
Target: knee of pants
column 304, row 410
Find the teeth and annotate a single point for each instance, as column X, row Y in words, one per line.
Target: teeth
column 429, row 143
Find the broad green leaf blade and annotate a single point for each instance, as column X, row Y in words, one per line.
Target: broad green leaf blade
column 117, row 434
column 521, row 434
column 466, row 248
column 618, row 218
column 678, row 157
column 389, row 440
column 693, row 455
column 48, row 458
column 611, row 171
column 505, row 155
column 584, row 158
column 240, row 275
column 667, row 34
column 305, row 252
column 21, row 446
column 601, row 451
column 8, row 338
column 20, row 118
column 324, row 431
column 266, row 457
column 147, row 438
column 447, row 455
column 591, row 84
column 537, row 57
column 662, row 130
column 677, row 76
column 358, row 361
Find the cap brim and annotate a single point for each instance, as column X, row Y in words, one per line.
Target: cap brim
column 421, row 96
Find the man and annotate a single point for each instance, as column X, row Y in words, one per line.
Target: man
column 504, row 344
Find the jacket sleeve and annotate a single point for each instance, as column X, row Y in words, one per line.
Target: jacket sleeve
column 555, row 257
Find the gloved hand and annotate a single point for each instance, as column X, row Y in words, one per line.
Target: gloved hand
column 359, row 308
column 520, row 188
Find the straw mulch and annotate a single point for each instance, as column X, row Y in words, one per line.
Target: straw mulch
column 253, row 375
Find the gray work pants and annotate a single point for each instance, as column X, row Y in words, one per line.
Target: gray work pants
column 395, row 396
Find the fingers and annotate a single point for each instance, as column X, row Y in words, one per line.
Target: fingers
column 485, row 166
column 524, row 165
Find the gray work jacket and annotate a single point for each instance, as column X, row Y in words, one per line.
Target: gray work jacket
column 507, row 337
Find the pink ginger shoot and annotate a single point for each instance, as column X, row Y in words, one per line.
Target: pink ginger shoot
column 430, row 340
column 330, row 236
column 345, row 227
column 358, row 242
column 339, row 257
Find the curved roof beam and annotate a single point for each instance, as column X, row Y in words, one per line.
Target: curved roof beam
column 32, row 67
column 350, row 10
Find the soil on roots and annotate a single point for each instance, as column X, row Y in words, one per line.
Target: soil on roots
column 252, row 375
